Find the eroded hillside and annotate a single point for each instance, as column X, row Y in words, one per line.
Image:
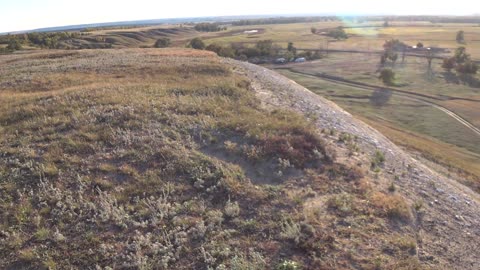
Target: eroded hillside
column 177, row 159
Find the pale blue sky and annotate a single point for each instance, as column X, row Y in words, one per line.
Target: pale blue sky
column 29, row 14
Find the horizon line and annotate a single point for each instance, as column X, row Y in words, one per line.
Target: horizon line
column 70, row 27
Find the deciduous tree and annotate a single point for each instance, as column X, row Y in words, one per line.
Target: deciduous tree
column 387, row 76
column 460, row 36
column 162, row 43
column 197, row 43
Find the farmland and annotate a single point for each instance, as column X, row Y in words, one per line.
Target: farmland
column 410, row 120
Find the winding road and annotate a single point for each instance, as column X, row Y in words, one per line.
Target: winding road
column 401, row 93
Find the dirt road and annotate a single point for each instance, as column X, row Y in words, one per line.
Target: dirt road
column 404, row 94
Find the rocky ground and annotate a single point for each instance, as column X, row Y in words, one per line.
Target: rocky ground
column 448, row 223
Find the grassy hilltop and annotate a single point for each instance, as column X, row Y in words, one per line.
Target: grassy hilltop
column 166, row 159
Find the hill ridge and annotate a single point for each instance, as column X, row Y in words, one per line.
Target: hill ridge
column 450, row 220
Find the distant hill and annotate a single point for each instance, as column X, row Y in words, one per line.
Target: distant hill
column 79, row 27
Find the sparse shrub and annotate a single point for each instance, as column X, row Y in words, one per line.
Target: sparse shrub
column 298, row 146
column 377, row 160
column 214, row 218
column 27, row 255
column 252, row 152
column 418, row 205
column 387, row 76
column 342, row 203
column 42, row 234
column 392, row 206
column 352, row 148
column 354, row 174
column 288, row 265
column 345, row 137
column 392, row 187
column 291, row 230
column 349, row 140
column 468, row 67
column 232, row 209
column 409, row 263
column 249, row 225
column 461, row 55
column 406, row 243
column 284, row 163
column 252, row 261
column 448, row 63
column 230, row 146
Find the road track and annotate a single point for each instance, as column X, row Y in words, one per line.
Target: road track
column 400, row 93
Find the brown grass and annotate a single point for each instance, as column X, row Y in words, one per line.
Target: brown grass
column 392, row 206
column 112, row 159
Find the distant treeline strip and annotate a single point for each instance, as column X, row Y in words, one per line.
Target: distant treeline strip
column 433, row 19
column 287, row 20
column 43, row 40
column 209, row 27
column 284, row 20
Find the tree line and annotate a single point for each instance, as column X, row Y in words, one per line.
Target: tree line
column 261, row 49
column 284, row 20
column 209, row 27
column 43, row 40
column 432, row 19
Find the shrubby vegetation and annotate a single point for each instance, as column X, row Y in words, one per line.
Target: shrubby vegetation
column 387, row 76
column 209, row 27
column 42, row 40
column 460, row 38
column 338, row 33
column 390, row 51
column 461, row 62
column 263, row 49
column 196, row 43
column 162, row 43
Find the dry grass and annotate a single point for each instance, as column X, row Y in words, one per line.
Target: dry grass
column 108, row 166
column 392, row 206
column 457, row 161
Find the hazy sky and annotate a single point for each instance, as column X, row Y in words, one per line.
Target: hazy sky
column 29, row 14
